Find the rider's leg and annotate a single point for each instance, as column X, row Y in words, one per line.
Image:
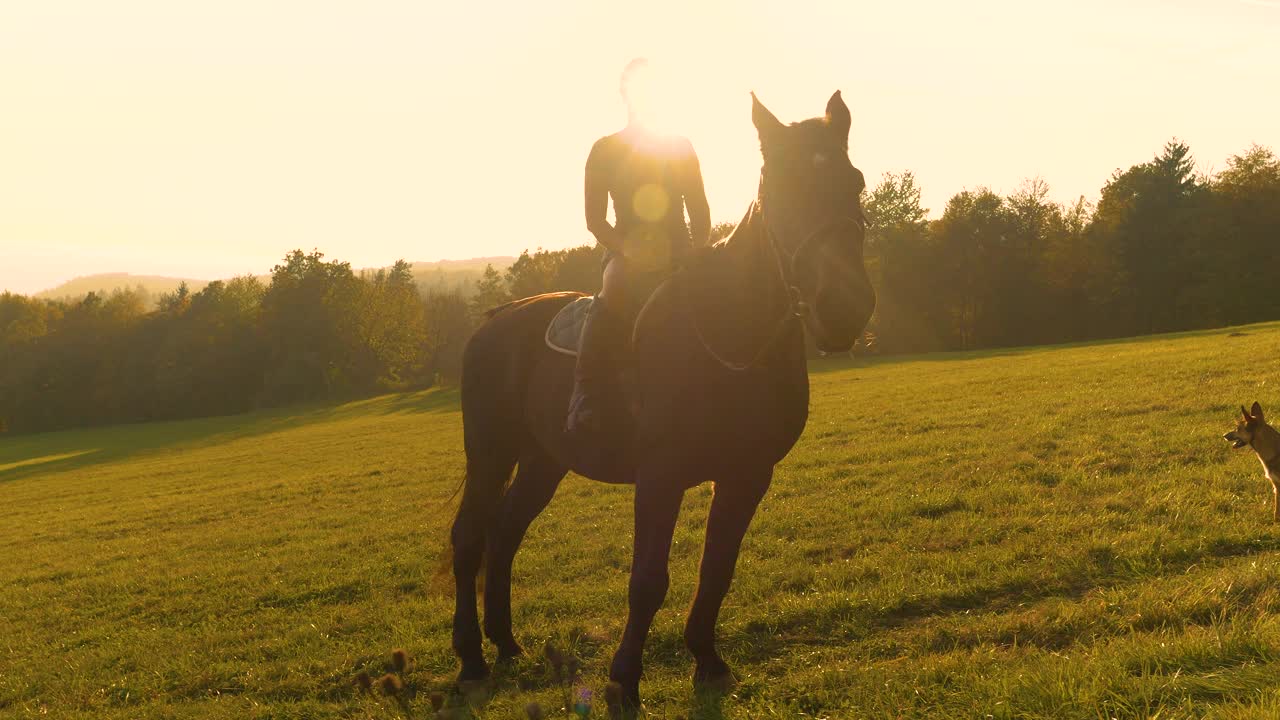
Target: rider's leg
column 603, row 335
column 613, row 289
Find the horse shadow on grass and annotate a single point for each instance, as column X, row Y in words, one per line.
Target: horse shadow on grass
column 1095, row 569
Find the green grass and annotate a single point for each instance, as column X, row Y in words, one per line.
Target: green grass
column 1039, row 533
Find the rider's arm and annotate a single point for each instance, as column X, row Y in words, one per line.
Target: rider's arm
column 695, row 200
column 597, row 201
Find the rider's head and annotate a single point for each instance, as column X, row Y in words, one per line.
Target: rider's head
column 637, row 87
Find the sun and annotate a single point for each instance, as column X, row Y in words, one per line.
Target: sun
column 650, row 90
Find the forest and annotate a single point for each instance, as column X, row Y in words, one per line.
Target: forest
column 1164, row 248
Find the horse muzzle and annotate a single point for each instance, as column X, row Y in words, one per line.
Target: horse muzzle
column 839, row 319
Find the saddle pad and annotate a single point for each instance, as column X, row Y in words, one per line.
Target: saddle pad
column 564, row 333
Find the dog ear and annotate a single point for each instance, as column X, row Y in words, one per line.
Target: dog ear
column 1256, row 412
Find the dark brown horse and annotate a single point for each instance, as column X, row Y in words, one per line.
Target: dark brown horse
column 720, row 391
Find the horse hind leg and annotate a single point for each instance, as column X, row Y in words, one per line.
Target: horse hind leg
column 537, row 478
column 487, row 474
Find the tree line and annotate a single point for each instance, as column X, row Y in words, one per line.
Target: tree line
column 1164, row 248
column 313, row 330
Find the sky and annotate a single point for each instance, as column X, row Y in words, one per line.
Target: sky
column 207, row 139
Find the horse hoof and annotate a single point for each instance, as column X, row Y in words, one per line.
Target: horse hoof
column 472, row 675
column 622, row 699
column 720, row 681
column 508, row 653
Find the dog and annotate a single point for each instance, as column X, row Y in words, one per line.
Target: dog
column 1252, row 430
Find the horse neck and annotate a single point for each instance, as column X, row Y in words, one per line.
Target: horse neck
column 754, row 275
column 743, row 296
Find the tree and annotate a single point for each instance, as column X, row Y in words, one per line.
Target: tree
column 580, row 269
column 973, row 248
column 175, row 301
column 1146, row 219
column 448, row 327
column 532, row 274
column 311, row 329
column 896, row 254
column 1074, row 275
column 546, row 271
column 1245, row 218
column 1025, row 299
column 491, row 291
column 392, row 328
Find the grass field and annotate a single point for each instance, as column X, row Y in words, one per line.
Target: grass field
column 1039, row 533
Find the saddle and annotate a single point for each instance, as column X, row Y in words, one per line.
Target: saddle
column 564, row 332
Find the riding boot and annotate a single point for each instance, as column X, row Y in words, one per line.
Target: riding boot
column 595, row 374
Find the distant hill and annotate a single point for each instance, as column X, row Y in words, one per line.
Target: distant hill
column 153, row 286
column 450, row 275
column 441, row 276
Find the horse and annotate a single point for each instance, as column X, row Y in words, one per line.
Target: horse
column 718, row 384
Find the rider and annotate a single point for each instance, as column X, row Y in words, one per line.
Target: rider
column 652, row 177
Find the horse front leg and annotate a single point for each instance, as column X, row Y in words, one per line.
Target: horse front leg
column 732, row 507
column 657, row 505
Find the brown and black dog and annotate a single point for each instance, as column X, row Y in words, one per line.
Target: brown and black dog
column 1254, row 431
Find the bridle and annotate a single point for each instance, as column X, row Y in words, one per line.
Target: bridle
column 797, row 308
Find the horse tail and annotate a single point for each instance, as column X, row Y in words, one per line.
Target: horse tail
column 491, row 445
column 481, row 487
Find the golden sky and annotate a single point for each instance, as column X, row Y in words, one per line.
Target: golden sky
column 205, row 139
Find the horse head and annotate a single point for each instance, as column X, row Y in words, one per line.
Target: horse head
column 811, row 208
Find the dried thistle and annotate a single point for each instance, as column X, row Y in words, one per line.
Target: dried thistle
column 554, row 656
column 363, row 682
column 390, row 684
column 399, row 659
column 534, row 711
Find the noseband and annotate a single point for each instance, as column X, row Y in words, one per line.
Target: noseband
column 787, row 261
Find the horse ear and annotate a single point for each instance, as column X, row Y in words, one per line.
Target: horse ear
column 1245, row 414
column 766, row 124
column 1256, row 411
column 838, row 115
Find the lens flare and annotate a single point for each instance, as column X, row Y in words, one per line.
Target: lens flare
column 650, row 202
